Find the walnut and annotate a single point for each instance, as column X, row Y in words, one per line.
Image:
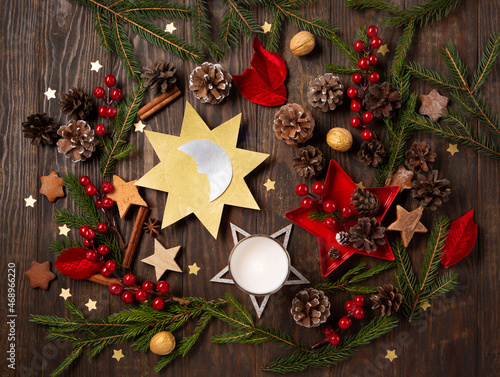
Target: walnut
column 302, row 43
column 339, row 139
column 162, row 343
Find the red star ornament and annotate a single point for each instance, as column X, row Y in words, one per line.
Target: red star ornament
column 339, row 187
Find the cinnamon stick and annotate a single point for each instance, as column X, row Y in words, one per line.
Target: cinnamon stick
column 158, row 103
column 99, row 279
column 135, row 236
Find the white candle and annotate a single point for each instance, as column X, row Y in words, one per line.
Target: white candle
column 259, row 265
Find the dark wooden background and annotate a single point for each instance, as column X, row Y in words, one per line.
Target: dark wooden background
column 51, row 44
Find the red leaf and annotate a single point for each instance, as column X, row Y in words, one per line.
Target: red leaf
column 270, row 66
column 74, row 263
column 461, row 239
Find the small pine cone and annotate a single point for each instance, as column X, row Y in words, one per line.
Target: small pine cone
column 431, row 191
column 310, row 308
column 308, row 162
column 78, row 141
column 293, row 124
column 334, row 253
column 372, row 152
column 160, row 76
column 40, row 128
column 420, row 157
column 367, row 234
column 210, row 83
column 382, row 99
column 77, row 104
column 325, row 92
column 365, row 202
column 388, row 300
column 343, row 238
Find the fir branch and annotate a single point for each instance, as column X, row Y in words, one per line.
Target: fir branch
column 273, row 41
column 320, row 216
column 125, row 50
column 75, row 354
column 58, row 245
column 488, row 60
column 231, row 337
column 101, row 23
column 344, row 48
column 419, row 71
column 375, row 4
column 342, row 70
column 404, row 279
column 402, row 48
column 153, row 9
column 188, row 342
column 201, row 30
column 424, row 13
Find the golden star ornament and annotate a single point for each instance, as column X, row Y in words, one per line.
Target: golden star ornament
column 202, row 170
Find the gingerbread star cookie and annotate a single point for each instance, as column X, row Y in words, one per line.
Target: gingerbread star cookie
column 125, row 195
column 40, row 275
column 408, row 223
column 52, row 186
column 433, row 105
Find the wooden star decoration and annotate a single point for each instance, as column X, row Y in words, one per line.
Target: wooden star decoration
column 52, row 186
column 266, row 28
column 139, row 126
column 91, row 305
column 452, row 148
column 50, row 93
column 433, row 105
column 391, row 355
column 117, row 354
column 408, row 223
column 425, row 305
column 163, row 259
column 383, row 50
column 40, row 275
column 65, row 294
column 193, row 269
column 125, row 195
column 270, row 185
column 95, row 66
column 64, row 230
column 170, row 28
column 30, row 201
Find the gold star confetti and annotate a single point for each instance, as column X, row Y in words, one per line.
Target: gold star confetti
column 64, row 230
column 139, row 126
column 269, row 184
column 170, row 28
column 50, row 93
column 91, row 305
column 193, row 269
column 30, row 202
column 452, row 149
column 117, row 354
column 360, row 185
column 95, row 66
column 383, row 50
column 391, row 355
column 266, row 28
column 425, row 305
column 65, row 294
column 163, row 259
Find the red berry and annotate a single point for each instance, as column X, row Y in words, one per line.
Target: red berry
column 107, row 187
column 364, row 63
column 92, row 255
column 352, row 92
column 111, row 112
column 358, row 313
column 349, row 306
column 105, row 272
column 376, row 42
column 355, row 106
column 91, row 190
column 128, row 297
column 367, row 135
column 356, row 122
column 90, row 235
column 116, row 94
column 103, row 110
column 102, row 228
column 110, row 81
column 306, row 203
column 141, row 295
column 368, row 117
column 98, row 203
column 87, row 243
column 374, row 77
column 107, row 203
column 329, row 223
column 115, row 289
column 100, row 129
column 345, row 323
column 84, row 180
column 111, row 265
column 83, row 230
column 318, row 188
column 148, row 285
column 158, row 303
column 301, row 189
column 103, row 249
column 373, row 59
column 163, row 286
column 129, row 279
column 328, row 330
column 357, row 78
column 372, row 31
column 329, row 206
column 359, row 300
column 359, row 46
column 334, row 339
column 99, row 92
column 345, row 212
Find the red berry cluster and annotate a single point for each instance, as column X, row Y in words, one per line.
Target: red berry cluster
column 364, row 63
column 102, row 201
column 354, row 309
column 107, row 111
column 132, row 291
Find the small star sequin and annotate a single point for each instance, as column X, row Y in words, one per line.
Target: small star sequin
column 425, row 305
column 139, row 126
column 383, row 50
column 95, row 66
column 91, row 305
column 30, row 201
column 50, row 93
column 360, row 185
column 266, row 28
column 270, row 184
column 170, row 28
column 193, row 269
column 391, row 355
column 65, row 294
column 452, row 149
column 117, row 354
column 64, row 230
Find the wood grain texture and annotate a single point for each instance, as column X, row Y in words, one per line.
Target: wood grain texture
column 51, row 44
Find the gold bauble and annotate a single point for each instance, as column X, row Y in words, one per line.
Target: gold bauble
column 162, row 343
column 339, row 139
column 302, row 43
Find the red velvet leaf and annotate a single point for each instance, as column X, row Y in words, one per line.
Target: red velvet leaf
column 270, row 66
column 74, row 263
column 461, row 239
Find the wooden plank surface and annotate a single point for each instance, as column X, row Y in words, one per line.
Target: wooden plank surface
column 51, row 44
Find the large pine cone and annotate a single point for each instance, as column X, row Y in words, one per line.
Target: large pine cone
column 382, row 99
column 78, row 140
column 160, row 76
column 388, row 300
column 431, row 191
column 367, row 234
column 293, row 124
column 77, row 104
column 365, row 202
column 40, row 128
column 420, row 157
column 310, row 308
column 325, row 92
column 372, row 152
column 210, row 83
column 308, row 162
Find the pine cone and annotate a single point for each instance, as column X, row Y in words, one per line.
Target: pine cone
column 431, row 191
column 325, row 92
column 343, row 238
column 365, row 202
column 40, row 128
column 210, row 83
column 420, row 157
column 382, row 99
column 308, row 162
column 387, row 300
column 160, row 76
column 367, row 234
column 334, row 253
column 310, row 308
column 77, row 104
column 372, row 152
column 293, row 124
column 78, row 141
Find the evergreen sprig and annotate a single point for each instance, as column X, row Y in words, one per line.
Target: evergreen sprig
column 201, row 30
column 320, row 216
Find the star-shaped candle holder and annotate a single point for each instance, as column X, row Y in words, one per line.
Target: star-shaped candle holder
column 339, row 187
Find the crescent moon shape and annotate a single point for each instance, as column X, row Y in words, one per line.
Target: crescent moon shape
column 212, row 160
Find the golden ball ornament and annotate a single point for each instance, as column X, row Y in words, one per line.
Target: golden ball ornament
column 162, row 343
column 339, row 139
column 302, row 43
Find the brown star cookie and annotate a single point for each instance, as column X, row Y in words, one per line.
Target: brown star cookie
column 40, row 275
column 125, row 195
column 52, row 186
column 433, row 105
